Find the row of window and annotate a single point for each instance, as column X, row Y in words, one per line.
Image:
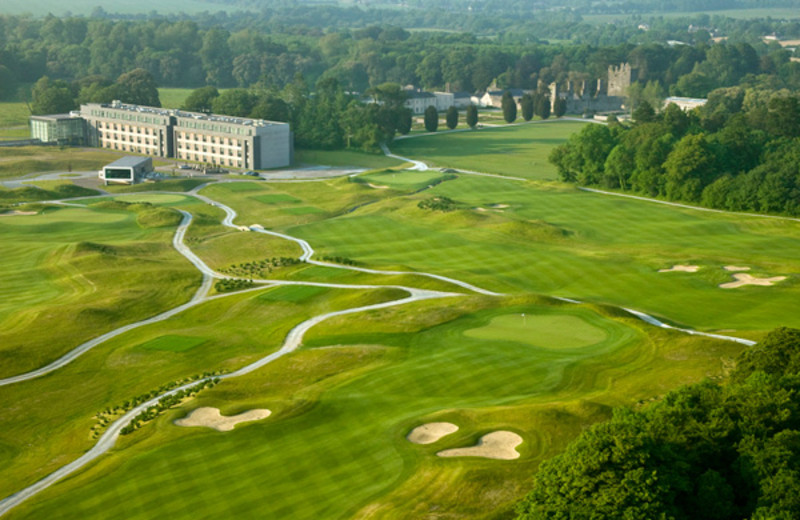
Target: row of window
column 128, row 116
column 126, row 138
column 222, row 161
column 203, row 138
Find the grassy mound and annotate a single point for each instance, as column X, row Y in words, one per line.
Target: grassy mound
column 158, row 217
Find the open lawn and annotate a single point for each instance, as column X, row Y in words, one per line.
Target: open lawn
column 519, row 150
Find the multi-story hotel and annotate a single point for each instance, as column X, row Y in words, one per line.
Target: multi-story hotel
column 211, row 139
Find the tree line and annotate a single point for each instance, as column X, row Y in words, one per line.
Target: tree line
column 705, row 451
column 225, row 54
column 739, row 152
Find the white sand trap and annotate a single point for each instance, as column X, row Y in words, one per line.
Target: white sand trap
column 480, row 209
column 746, row 279
column 496, row 445
column 211, row 418
column 681, row 268
column 377, row 186
column 431, row 432
column 17, row 212
column 736, row 268
column 500, row 206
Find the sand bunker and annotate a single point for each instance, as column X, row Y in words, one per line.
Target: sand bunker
column 431, row 432
column 17, row 212
column 211, row 418
column 682, row 268
column 377, row 186
column 736, row 268
column 500, row 206
column 746, row 279
column 499, row 445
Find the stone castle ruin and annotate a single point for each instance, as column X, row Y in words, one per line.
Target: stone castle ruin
column 596, row 96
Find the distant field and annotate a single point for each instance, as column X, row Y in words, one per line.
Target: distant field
column 85, row 7
column 173, row 97
column 513, row 150
column 14, row 114
column 741, row 14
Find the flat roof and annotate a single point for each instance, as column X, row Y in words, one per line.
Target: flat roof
column 129, row 161
column 54, row 117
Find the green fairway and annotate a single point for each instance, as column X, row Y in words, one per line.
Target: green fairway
column 172, row 343
column 343, row 403
column 520, row 150
column 336, row 440
column 540, row 330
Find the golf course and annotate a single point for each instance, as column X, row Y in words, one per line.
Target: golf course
column 265, row 349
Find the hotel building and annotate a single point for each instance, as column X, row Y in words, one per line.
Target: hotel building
column 211, row 139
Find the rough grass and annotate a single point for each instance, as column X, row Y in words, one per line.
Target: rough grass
column 21, row 161
column 14, row 114
column 520, row 150
column 344, row 158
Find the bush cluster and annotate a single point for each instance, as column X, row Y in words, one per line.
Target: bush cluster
column 233, row 284
column 259, row 268
column 438, row 204
column 108, row 415
column 165, row 403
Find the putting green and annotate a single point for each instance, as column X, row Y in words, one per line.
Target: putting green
column 541, row 330
column 404, row 179
column 153, row 198
column 172, row 343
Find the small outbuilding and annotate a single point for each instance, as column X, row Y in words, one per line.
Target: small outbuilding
column 126, row 170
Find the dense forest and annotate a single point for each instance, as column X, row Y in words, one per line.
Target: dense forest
column 740, row 152
column 236, row 51
column 705, row 451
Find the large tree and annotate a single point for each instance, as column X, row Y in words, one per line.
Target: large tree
column 52, row 97
column 139, row 88
column 201, row 99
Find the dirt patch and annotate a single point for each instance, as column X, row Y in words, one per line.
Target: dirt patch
column 735, row 268
column 431, row 432
column 681, row 268
column 500, row 445
column 743, row 279
column 16, row 212
column 211, row 418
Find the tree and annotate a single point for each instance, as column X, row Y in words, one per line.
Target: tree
column 560, row 107
column 139, row 88
column 689, row 168
column 644, row 113
column 452, row 118
column 431, row 119
column 52, row 97
column 542, row 105
column 509, row 106
column 235, row 102
column 526, row 104
column 472, row 116
column 201, row 99
column 404, row 120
